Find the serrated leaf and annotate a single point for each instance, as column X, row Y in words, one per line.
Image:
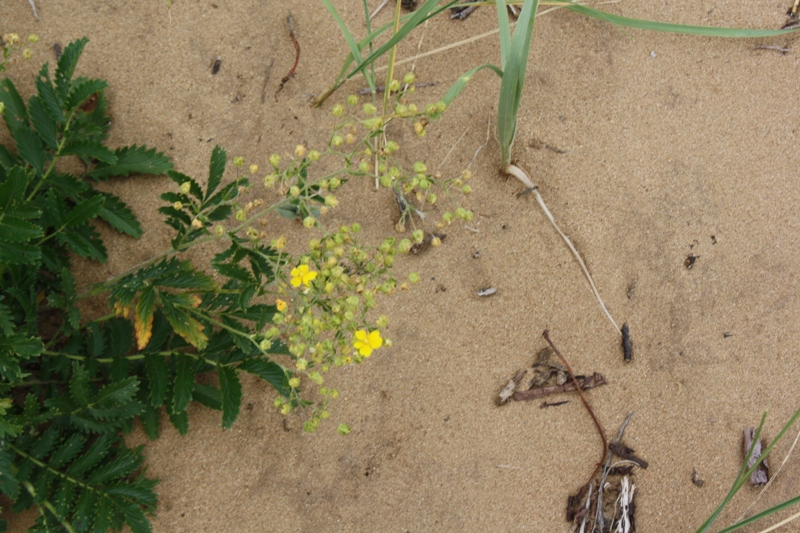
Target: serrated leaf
column 8, row 482
column 30, row 148
column 180, row 421
column 113, row 394
column 119, row 216
column 89, row 149
column 14, row 113
column 15, row 229
column 184, row 325
column 143, row 323
column 19, row 253
column 68, row 184
column 222, row 212
column 181, row 275
column 126, row 462
column 150, row 419
column 21, row 346
column 231, row 390
column 120, row 336
column 68, row 450
column 234, row 272
column 269, row 371
column 42, row 447
column 161, row 332
column 133, row 159
column 66, row 66
column 44, row 125
column 158, row 376
column 135, row 519
column 96, row 343
column 12, row 191
column 48, row 95
column 216, row 169
column 6, row 320
column 79, row 385
column 84, row 241
column 81, row 89
column 183, row 384
column 208, row 396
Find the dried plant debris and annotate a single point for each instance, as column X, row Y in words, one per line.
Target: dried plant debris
column 627, row 345
column 607, row 503
column 696, row 479
column 585, row 383
column 511, row 386
column 761, row 474
column 548, row 378
column 624, row 452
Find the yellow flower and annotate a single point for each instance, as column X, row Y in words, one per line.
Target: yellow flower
column 301, row 275
column 281, row 305
column 365, row 342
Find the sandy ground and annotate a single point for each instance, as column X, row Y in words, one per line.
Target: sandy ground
column 673, row 146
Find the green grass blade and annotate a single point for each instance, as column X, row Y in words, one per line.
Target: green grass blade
column 410, row 21
column 514, row 79
column 674, row 28
column 355, row 51
column 462, row 82
column 762, row 514
column 505, row 31
column 744, row 472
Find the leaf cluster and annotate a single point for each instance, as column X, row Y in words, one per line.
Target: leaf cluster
column 73, row 385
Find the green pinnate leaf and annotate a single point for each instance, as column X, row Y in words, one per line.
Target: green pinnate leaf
column 123, row 464
column 180, row 421
column 158, row 376
column 43, row 123
column 143, row 320
column 119, row 216
column 216, row 169
column 208, row 396
column 47, row 95
column 15, row 114
column 17, row 229
column 89, row 149
column 84, row 241
column 183, row 384
column 231, row 390
column 269, row 371
column 9, row 485
column 81, row 89
column 68, row 450
column 79, row 388
column 30, row 148
column 133, row 159
column 66, row 66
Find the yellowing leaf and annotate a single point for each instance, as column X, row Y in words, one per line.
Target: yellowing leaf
column 144, row 317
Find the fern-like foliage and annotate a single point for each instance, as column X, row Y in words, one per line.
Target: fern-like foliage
column 70, row 385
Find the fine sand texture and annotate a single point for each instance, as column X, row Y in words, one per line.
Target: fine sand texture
column 647, row 148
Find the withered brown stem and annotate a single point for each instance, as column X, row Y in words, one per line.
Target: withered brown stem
column 584, row 382
column 546, row 336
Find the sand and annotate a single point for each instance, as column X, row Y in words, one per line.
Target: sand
column 674, row 146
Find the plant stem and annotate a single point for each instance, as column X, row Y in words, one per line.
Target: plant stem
column 514, row 170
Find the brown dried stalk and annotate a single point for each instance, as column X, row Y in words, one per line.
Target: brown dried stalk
column 580, row 382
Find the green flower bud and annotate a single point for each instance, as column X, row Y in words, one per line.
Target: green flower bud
column 294, row 191
column 394, row 86
column 420, row 168
column 274, row 160
column 355, row 228
column 238, row 162
column 370, row 109
column 186, row 187
column 413, row 277
column 343, row 429
column 409, row 78
column 418, row 235
column 391, row 147
column 313, row 155
column 466, row 189
column 241, row 216
column 352, row 99
column 337, row 110
column 309, row 222
column 363, row 166
column 336, row 140
column 294, row 382
column 404, row 246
